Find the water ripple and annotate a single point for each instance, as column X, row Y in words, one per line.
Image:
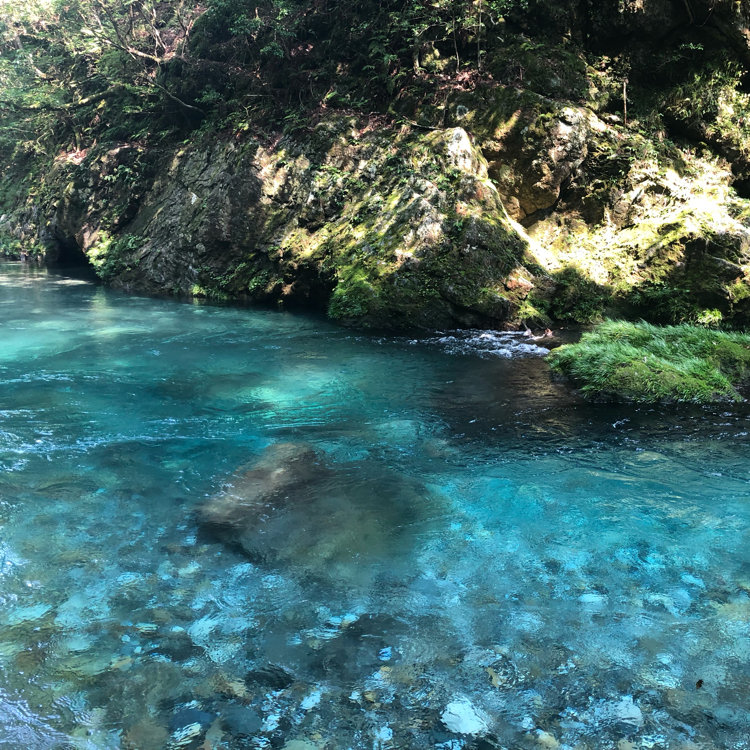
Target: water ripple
column 504, row 344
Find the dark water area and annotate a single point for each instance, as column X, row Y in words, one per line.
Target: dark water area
column 438, row 545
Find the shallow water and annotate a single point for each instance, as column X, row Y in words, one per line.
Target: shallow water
column 480, row 560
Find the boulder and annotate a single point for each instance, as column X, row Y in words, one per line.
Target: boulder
column 291, row 507
column 272, row 480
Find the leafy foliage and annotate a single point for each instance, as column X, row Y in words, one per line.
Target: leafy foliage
column 70, row 69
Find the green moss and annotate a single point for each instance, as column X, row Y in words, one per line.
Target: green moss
column 541, row 66
column 645, row 363
column 578, row 299
column 112, row 256
column 533, row 312
column 354, row 298
column 416, row 240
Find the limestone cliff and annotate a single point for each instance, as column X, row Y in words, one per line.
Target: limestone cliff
column 380, row 226
column 594, row 161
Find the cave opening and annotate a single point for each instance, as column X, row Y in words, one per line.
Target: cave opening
column 67, row 253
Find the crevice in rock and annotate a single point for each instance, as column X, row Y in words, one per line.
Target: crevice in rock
column 544, row 213
column 742, row 187
column 65, row 252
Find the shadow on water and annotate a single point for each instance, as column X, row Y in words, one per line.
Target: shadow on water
column 523, row 407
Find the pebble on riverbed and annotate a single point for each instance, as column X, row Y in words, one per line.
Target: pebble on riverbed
column 461, row 717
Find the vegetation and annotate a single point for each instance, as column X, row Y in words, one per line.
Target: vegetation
column 610, row 137
column 645, row 363
column 72, row 70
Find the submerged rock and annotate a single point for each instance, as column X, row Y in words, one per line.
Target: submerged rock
column 625, row 714
column 240, row 721
column 188, row 716
column 270, row 676
column 282, row 469
column 292, row 506
column 462, row 717
column 186, row 737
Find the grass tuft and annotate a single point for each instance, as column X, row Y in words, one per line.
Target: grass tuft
column 646, row 363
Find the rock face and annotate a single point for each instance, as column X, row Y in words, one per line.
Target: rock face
column 618, row 223
column 525, row 198
column 382, row 228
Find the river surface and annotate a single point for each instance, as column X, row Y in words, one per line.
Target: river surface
column 478, row 559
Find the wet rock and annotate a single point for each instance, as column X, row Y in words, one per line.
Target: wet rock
column 546, row 741
column 189, row 716
column 461, row 717
column 490, row 742
column 503, row 673
column 186, row 737
column 281, row 469
column 145, row 734
column 240, row 721
column 361, row 647
column 146, row 628
column 731, row 717
column 178, row 646
column 291, row 507
column 624, row 715
column 188, row 727
column 270, row 676
column 300, row 745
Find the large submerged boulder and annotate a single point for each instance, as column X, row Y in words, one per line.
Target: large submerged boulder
column 278, row 477
column 291, row 506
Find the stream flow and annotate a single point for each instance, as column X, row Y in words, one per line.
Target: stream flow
column 239, row 528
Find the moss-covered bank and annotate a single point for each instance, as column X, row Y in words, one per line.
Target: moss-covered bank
column 381, row 227
column 645, row 363
column 544, row 163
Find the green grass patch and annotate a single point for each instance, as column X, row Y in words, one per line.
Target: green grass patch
column 646, row 363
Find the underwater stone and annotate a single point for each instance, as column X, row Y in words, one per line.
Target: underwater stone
column 462, row 718
column 279, row 509
column 271, row 676
column 546, row 740
column 234, row 514
column 178, row 646
column 384, row 734
column 190, row 716
column 240, row 721
column 185, row 736
column 311, row 701
column 626, row 714
column 146, row 628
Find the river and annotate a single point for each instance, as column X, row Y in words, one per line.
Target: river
column 477, row 558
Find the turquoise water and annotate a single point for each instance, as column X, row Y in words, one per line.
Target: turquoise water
column 470, row 558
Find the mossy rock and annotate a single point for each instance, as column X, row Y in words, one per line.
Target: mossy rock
column 647, row 364
column 392, row 228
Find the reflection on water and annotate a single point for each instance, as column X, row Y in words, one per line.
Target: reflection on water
column 455, row 552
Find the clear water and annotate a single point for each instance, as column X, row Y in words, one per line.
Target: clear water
column 484, row 562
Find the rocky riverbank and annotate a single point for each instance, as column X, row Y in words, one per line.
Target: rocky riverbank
column 569, row 174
